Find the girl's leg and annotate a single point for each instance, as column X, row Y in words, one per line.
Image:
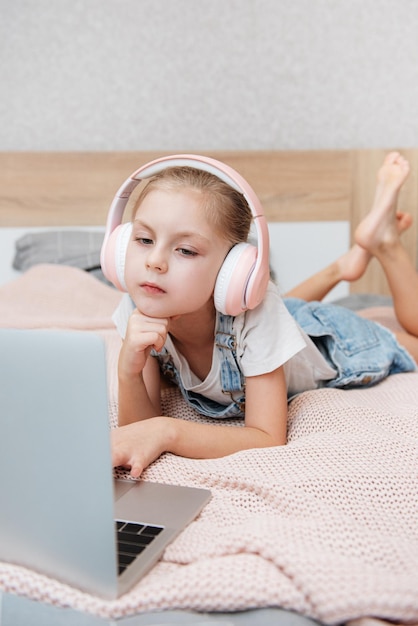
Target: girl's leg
column 352, row 265
column 379, row 235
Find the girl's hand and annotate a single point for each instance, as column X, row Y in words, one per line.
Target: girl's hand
column 143, row 334
column 137, row 445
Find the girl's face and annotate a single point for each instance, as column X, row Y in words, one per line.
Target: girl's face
column 174, row 255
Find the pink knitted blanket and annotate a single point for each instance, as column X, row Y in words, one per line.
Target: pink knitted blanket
column 326, row 526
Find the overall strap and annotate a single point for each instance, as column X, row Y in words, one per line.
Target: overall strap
column 232, row 379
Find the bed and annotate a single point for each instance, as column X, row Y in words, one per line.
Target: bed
column 323, row 529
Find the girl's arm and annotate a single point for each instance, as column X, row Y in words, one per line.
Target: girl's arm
column 138, row 373
column 138, row 445
column 139, row 393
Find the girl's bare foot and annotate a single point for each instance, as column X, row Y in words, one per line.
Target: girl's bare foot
column 383, row 225
column 380, row 225
column 403, row 221
column 352, row 265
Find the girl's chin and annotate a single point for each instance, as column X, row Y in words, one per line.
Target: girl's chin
column 173, row 311
column 151, row 310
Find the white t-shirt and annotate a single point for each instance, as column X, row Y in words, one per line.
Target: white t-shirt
column 266, row 337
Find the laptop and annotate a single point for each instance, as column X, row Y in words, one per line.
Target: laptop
column 62, row 512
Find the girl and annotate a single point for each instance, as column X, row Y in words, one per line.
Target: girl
column 185, row 222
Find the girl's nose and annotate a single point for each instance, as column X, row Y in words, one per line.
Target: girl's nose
column 156, row 261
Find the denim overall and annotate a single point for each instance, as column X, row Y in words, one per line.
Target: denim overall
column 232, row 379
column 363, row 353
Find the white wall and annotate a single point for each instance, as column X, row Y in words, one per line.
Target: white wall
column 208, row 74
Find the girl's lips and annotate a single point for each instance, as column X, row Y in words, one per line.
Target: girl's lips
column 152, row 289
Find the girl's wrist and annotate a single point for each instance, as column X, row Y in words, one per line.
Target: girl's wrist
column 129, row 376
column 169, row 432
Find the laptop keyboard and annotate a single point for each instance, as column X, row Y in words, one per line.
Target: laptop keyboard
column 132, row 539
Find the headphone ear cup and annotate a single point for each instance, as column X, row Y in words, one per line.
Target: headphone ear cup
column 232, row 280
column 114, row 255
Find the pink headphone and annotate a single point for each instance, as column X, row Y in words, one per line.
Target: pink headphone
column 242, row 280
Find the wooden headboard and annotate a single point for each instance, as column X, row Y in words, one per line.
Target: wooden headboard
column 76, row 188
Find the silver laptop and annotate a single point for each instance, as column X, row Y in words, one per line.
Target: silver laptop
column 62, row 513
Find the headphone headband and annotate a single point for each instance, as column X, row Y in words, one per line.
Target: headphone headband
column 222, row 171
column 225, row 173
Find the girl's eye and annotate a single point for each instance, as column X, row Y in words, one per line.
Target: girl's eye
column 144, row 241
column 187, row 252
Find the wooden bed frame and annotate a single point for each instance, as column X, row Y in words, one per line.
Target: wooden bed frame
column 76, row 188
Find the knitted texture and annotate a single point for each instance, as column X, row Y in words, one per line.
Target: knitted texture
column 326, row 526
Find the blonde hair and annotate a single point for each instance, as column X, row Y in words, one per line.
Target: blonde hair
column 226, row 208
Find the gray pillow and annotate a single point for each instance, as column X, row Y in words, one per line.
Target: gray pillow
column 77, row 248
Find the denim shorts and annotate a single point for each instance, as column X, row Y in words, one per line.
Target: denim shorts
column 362, row 351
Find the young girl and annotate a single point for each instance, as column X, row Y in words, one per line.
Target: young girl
column 185, row 223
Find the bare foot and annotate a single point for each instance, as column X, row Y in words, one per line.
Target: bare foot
column 404, row 221
column 352, row 265
column 383, row 225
